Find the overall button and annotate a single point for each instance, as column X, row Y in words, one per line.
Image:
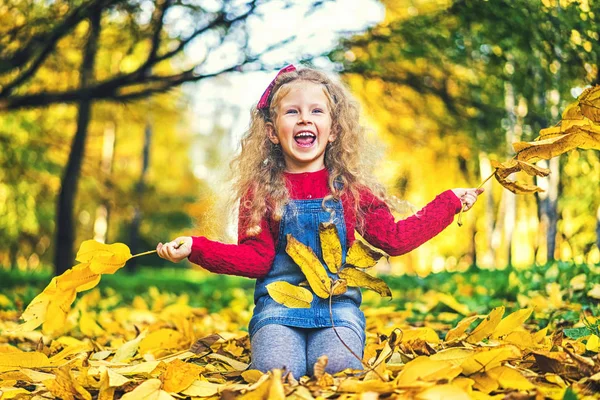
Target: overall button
column 309, row 196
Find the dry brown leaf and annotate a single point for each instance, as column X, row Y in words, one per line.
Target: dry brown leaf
column 310, row 265
column 330, row 246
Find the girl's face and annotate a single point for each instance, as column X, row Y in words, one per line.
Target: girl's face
column 303, row 127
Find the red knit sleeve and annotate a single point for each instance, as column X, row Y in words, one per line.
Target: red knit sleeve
column 397, row 238
column 252, row 257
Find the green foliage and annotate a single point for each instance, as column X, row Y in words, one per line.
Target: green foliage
column 479, row 290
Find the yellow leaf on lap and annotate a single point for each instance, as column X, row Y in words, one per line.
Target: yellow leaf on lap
column 289, row 295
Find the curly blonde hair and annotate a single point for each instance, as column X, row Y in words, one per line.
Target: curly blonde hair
column 258, row 170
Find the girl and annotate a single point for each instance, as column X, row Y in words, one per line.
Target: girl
column 300, row 166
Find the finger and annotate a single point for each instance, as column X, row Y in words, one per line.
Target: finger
column 479, row 191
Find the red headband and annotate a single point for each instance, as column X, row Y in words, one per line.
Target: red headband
column 264, row 99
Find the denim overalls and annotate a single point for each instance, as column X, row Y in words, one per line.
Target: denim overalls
column 301, row 219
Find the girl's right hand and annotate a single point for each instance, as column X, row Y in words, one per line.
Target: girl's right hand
column 175, row 250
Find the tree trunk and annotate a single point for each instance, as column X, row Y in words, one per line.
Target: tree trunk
column 137, row 214
column 485, row 167
column 598, row 228
column 553, row 189
column 510, row 201
column 65, row 229
column 103, row 210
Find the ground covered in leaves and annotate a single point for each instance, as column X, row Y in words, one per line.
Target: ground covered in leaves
column 509, row 334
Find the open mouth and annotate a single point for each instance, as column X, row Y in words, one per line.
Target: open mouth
column 305, row 139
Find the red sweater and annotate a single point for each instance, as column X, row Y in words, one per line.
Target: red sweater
column 253, row 255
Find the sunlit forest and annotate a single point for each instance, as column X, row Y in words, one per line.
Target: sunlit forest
column 101, row 139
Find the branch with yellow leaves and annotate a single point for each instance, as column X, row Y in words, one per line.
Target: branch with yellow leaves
column 578, row 128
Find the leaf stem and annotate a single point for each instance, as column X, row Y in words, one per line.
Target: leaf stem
column 154, row 251
column 143, row 254
column 342, row 340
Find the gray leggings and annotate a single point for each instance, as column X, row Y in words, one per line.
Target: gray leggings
column 297, row 349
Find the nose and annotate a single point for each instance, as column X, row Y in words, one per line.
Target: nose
column 304, row 119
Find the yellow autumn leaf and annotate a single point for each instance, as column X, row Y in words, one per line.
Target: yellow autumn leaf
column 458, row 332
column 16, row 360
column 487, row 326
column 484, row 383
column 80, row 277
column 88, row 325
column 252, row 375
column 180, row 375
column 330, row 246
column 447, row 391
column 200, row 388
column 589, row 102
column 594, row 292
column 310, row 265
column 8, row 393
column 290, row 295
column 485, row 359
column 136, row 369
column 578, row 282
column 58, row 309
column 425, row 369
column 451, row 302
column 148, row 390
column 509, row 378
column 114, row 379
column 511, row 322
column 521, row 339
column 276, row 390
column 426, row 334
column 105, row 391
column 340, row 287
column 128, row 349
column 355, row 386
column 358, row 278
column 66, row 387
column 454, row 355
column 362, row 256
column 161, row 339
column 35, row 313
column 103, row 258
column 517, row 187
column 584, row 137
column 555, row 295
column 237, row 365
column 593, row 343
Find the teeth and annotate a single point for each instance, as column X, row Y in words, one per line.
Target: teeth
column 305, row 134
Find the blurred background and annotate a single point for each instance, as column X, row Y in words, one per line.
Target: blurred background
column 118, row 118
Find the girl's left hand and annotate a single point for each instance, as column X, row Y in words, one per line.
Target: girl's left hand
column 467, row 197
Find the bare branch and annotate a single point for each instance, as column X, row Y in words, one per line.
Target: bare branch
column 42, row 45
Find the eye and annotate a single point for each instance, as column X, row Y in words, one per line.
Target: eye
column 318, row 110
column 291, row 111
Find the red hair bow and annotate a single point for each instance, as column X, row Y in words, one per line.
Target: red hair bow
column 264, row 99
